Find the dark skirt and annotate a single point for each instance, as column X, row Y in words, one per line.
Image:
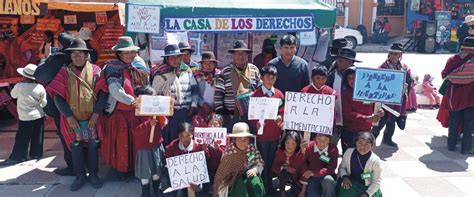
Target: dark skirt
column 149, row 162
column 356, row 189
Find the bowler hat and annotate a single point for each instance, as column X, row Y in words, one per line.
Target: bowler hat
column 172, row 49
column 239, row 45
column 241, row 129
column 208, row 56
column 185, row 46
column 125, row 43
column 396, row 47
column 339, row 43
column 268, row 43
column 349, row 54
column 78, row 44
column 28, row 71
column 65, row 39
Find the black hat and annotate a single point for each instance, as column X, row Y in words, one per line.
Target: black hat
column 396, row 47
column 468, row 42
column 208, row 56
column 267, row 43
column 172, row 49
column 78, row 44
column 65, row 39
column 339, row 43
column 239, row 45
column 349, row 54
column 185, row 46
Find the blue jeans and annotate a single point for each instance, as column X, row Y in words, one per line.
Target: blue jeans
column 268, row 151
column 321, row 186
column 455, row 117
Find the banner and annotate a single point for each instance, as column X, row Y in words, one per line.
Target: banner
column 379, row 85
column 236, row 24
column 209, row 135
column 154, row 106
column 186, row 169
column 263, row 108
column 22, row 7
column 309, row 112
column 143, row 18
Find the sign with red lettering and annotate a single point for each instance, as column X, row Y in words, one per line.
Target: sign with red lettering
column 209, row 135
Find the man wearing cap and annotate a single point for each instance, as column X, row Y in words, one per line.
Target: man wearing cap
column 235, row 84
column 466, row 29
column 175, row 79
column 86, row 35
column 187, row 51
column 345, row 59
column 46, row 72
column 393, row 62
column 293, row 71
column 458, row 99
column 268, row 53
column 334, row 50
column 118, row 79
column 73, row 92
column 206, row 78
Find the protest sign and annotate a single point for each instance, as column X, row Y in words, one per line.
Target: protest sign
column 209, row 135
column 186, row 169
column 379, row 85
column 143, row 18
column 309, row 112
column 154, row 106
column 263, row 108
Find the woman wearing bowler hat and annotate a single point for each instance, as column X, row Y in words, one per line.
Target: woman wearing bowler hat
column 31, row 100
column 393, row 62
column 118, row 79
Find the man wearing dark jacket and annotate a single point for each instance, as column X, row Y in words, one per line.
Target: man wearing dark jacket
column 334, row 49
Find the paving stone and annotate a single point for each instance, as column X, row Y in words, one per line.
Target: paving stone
column 410, row 169
column 468, row 163
column 425, row 154
column 26, row 190
column 394, row 185
column 392, row 154
column 448, row 168
column 61, row 189
column 120, row 189
column 418, row 130
column 386, row 171
column 432, row 141
column 463, row 183
column 407, row 141
column 434, row 186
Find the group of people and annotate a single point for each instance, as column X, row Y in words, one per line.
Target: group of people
column 381, row 29
column 95, row 114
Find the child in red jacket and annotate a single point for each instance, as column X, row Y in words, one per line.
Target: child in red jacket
column 267, row 142
column 319, row 167
column 288, row 165
column 149, row 156
column 215, row 153
column 357, row 116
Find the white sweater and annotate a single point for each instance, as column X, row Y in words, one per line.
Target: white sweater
column 31, row 100
column 372, row 165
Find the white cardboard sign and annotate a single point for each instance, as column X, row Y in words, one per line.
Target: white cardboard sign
column 186, row 169
column 209, row 135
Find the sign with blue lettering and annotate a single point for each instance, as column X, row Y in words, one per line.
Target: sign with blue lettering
column 379, row 85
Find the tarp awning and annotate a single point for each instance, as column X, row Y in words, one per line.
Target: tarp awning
column 324, row 14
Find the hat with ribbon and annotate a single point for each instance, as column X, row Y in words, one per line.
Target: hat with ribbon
column 78, row 44
column 171, row 50
column 241, row 129
column 349, row 54
column 125, row 43
column 185, row 46
column 239, row 45
column 396, row 48
column 208, row 56
column 28, row 71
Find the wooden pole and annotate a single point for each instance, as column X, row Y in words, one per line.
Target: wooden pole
column 152, row 132
column 191, row 192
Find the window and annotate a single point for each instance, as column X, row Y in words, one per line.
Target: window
column 338, row 4
column 390, row 8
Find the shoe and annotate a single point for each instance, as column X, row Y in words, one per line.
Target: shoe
column 36, row 158
column 95, row 181
column 77, row 184
column 156, row 186
column 390, row 143
column 64, row 172
column 451, row 148
column 9, row 162
column 146, row 190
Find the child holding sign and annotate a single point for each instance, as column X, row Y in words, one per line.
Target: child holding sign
column 267, row 141
column 319, row 167
column 288, row 164
column 215, row 152
column 357, row 116
column 149, row 156
column 183, row 145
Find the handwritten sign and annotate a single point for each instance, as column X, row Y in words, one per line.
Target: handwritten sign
column 209, row 135
column 379, row 85
column 309, row 112
column 143, row 18
column 262, row 108
column 235, row 24
column 154, row 106
column 186, row 169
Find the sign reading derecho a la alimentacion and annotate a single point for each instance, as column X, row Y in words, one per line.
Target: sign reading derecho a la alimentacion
column 186, row 169
column 236, row 24
column 309, row 112
column 143, row 18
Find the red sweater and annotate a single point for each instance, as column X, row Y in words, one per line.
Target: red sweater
column 271, row 131
column 173, row 149
column 319, row 168
column 324, row 90
column 459, row 97
column 355, row 112
column 141, row 134
column 295, row 161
